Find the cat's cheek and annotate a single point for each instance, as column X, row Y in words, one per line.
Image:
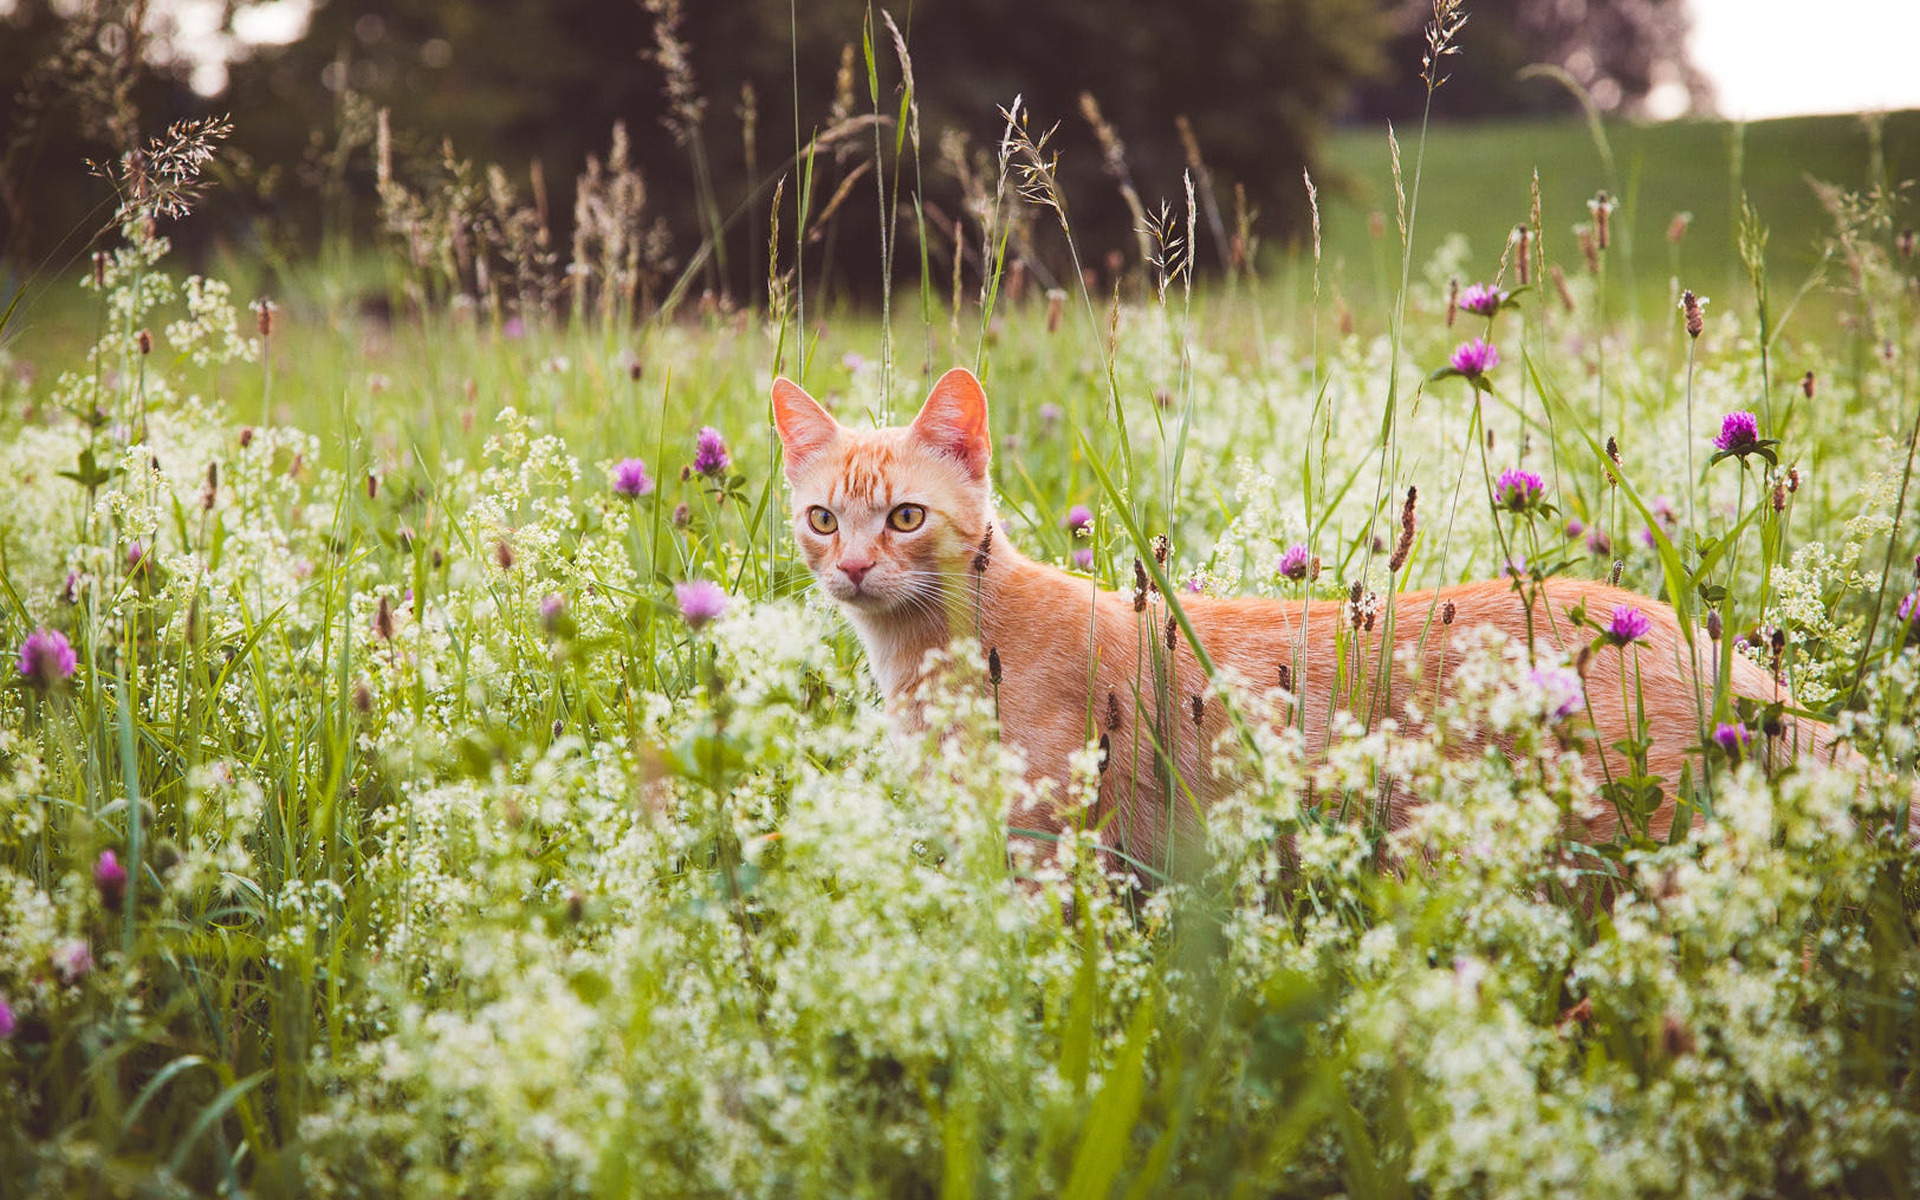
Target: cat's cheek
column 813, row 553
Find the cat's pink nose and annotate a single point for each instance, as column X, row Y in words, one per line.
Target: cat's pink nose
column 856, row 571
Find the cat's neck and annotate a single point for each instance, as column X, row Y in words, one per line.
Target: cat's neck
column 988, row 600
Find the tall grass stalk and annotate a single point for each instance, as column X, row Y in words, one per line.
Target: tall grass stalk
column 1441, row 33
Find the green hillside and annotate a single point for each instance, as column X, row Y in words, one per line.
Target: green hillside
column 1477, row 181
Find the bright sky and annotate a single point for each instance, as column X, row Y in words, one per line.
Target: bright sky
column 1776, row 58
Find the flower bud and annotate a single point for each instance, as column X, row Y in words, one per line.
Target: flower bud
column 1692, row 306
column 110, row 878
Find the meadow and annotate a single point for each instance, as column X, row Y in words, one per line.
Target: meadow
column 426, row 770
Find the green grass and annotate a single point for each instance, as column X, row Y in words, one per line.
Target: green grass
column 461, row 864
column 1479, row 185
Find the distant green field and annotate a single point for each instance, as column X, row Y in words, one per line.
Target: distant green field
column 1477, row 181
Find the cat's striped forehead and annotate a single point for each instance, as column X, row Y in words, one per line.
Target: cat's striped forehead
column 870, row 467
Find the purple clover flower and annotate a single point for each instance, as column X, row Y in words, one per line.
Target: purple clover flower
column 1628, row 625
column 1079, row 517
column 111, row 878
column 1475, row 358
column 1909, row 611
column 1732, row 738
column 7, row 1022
column 710, row 455
column 1738, row 431
column 1561, row 692
column 1083, row 558
column 46, row 658
column 1481, row 299
column 700, row 600
column 1517, row 490
column 630, row 478
column 1295, row 562
column 1575, row 527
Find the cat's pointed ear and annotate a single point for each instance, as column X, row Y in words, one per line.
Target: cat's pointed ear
column 954, row 421
column 806, row 429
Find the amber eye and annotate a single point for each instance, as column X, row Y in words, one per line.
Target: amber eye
column 822, row 521
column 905, row 518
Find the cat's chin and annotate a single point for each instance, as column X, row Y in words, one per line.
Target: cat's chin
column 867, row 604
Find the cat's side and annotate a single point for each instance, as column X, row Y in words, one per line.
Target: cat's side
column 897, row 526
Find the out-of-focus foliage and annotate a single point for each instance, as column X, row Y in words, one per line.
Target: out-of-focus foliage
column 1619, row 51
column 521, row 82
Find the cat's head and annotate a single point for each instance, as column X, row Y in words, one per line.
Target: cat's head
column 884, row 516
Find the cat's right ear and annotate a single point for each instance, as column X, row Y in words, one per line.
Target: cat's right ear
column 806, row 429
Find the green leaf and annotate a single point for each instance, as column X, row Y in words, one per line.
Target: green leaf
column 88, row 473
column 1111, row 1118
column 211, row 1113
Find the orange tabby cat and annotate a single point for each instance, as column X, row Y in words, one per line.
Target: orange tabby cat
column 898, row 527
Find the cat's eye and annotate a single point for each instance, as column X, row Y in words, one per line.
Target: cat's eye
column 821, row 521
column 905, row 518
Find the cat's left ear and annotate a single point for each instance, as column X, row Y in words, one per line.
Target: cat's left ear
column 954, row 421
column 805, row 428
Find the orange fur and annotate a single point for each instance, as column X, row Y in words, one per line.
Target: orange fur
column 1065, row 647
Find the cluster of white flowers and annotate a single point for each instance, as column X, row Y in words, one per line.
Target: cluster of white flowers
column 429, row 809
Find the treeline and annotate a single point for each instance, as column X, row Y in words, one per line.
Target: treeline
column 718, row 102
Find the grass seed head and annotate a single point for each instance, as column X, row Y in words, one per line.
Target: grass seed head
column 1561, row 286
column 1589, row 248
column 1693, row 307
column 1602, row 206
column 1404, row 546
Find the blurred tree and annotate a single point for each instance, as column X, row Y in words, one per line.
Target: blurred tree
column 1630, row 56
column 77, row 81
column 539, row 83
